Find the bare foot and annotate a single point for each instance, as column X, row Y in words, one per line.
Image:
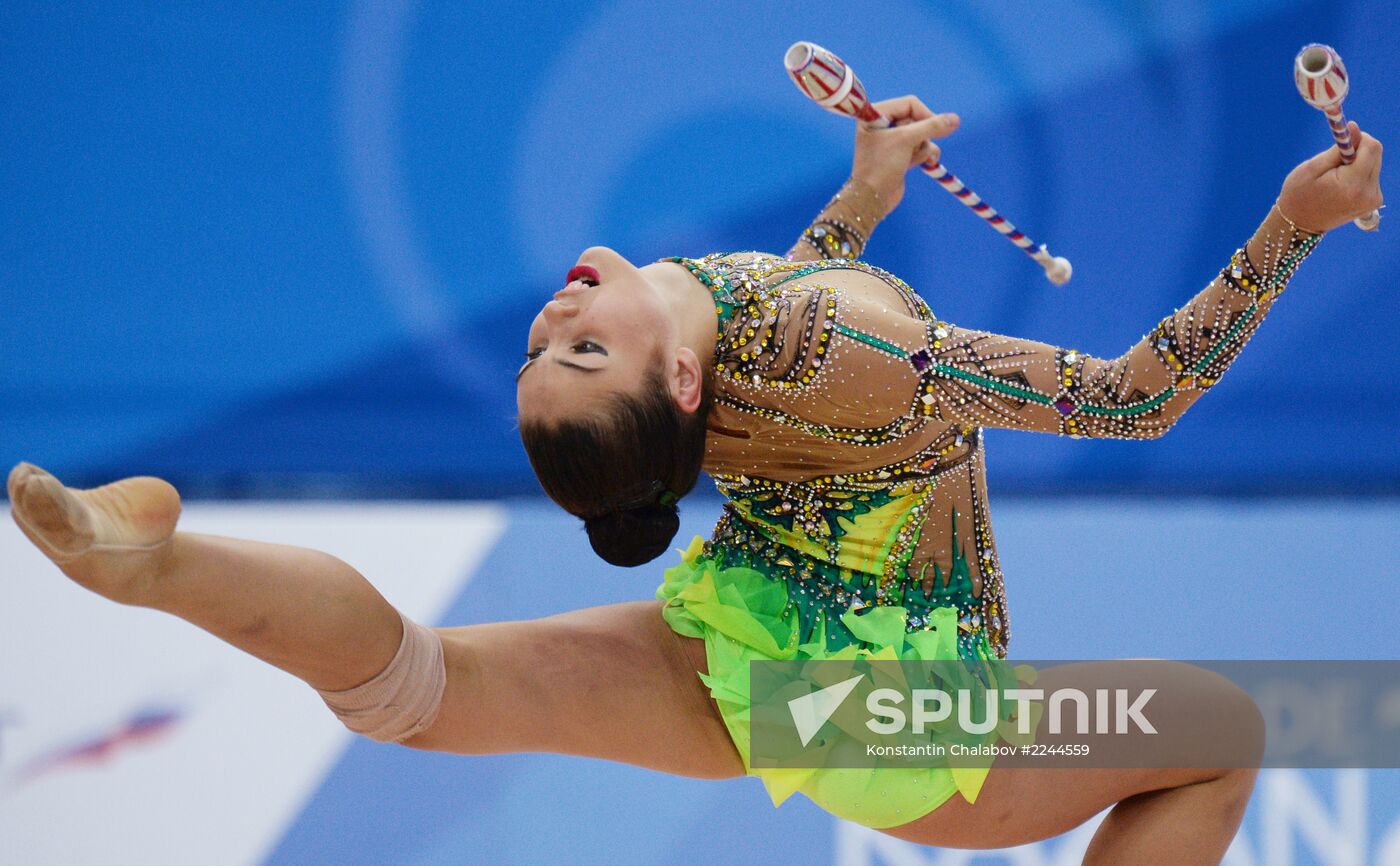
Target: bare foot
column 106, row 539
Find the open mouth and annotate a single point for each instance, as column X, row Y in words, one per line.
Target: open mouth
column 585, row 273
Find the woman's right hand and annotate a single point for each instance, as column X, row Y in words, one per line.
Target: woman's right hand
column 884, row 156
column 1324, row 192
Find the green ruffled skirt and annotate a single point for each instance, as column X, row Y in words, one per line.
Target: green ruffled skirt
column 743, row 616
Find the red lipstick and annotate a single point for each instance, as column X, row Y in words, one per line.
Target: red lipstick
column 586, row 272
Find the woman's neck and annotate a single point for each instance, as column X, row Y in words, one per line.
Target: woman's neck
column 692, row 307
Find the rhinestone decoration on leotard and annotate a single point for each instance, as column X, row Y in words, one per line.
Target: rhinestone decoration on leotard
column 822, row 593
column 867, row 529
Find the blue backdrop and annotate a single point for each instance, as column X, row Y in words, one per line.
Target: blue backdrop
column 293, row 249
column 258, row 245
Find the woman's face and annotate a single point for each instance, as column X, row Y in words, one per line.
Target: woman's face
column 592, row 341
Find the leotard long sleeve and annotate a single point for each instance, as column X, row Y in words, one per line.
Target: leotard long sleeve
column 846, row 431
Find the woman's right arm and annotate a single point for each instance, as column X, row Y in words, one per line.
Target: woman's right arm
column 876, row 183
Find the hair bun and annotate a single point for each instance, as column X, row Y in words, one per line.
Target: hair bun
column 633, row 536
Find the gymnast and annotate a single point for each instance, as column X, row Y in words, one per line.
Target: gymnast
column 842, row 421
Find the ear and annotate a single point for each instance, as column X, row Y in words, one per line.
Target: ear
column 686, row 380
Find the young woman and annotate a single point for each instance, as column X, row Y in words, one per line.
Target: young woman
column 841, row 419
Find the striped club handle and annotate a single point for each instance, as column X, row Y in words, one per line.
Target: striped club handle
column 828, row 81
column 1322, row 82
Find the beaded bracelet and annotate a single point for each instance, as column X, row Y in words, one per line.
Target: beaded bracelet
column 1296, row 228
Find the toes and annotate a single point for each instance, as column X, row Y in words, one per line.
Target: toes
column 17, row 478
column 48, row 510
column 39, row 503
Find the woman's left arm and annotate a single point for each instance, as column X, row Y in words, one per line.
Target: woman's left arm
column 982, row 379
column 876, row 184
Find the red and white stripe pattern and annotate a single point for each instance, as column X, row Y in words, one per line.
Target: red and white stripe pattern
column 1322, row 82
column 829, row 82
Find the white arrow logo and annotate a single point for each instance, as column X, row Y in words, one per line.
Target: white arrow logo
column 810, row 712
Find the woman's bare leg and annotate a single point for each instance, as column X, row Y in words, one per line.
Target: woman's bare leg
column 1163, row 815
column 1176, row 817
column 614, row 682
column 609, row 682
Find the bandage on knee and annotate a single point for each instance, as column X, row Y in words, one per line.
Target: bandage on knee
column 404, row 698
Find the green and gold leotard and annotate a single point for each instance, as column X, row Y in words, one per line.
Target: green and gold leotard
column 846, row 438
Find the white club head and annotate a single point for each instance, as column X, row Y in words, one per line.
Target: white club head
column 1321, row 77
column 828, row 81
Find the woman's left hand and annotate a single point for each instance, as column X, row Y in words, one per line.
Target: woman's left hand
column 1325, row 192
column 884, row 156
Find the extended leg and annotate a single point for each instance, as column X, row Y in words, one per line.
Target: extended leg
column 614, row 682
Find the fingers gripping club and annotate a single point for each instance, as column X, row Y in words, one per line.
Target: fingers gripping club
column 829, row 82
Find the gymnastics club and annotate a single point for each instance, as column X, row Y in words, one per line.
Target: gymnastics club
column 1322, row 82
column 834, row 86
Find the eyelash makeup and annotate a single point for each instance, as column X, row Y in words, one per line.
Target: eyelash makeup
column 535, row 353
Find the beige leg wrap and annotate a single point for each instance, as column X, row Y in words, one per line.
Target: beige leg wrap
column 404, row 698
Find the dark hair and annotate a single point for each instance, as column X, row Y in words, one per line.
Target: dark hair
column 623, row 468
